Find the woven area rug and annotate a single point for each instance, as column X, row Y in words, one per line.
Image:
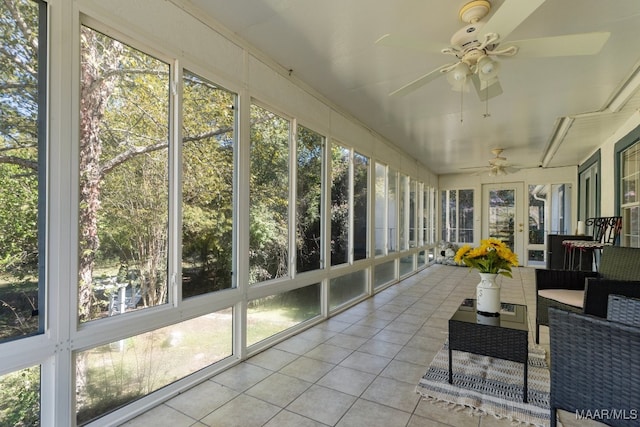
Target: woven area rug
column 484, row 385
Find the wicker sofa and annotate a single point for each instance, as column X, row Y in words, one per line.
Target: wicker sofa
column 594, row 363
column 587, row 291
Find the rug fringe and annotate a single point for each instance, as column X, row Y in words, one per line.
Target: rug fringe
column 471, row 411
column 456, row 407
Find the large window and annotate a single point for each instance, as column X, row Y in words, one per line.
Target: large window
column 346, row 288
column 268, row 196
column 560, row 196
column 403, row 212
column 380, row 235
column 392, row 211
column 114, row 374
column 207, row 186
column 457, row 215
column 630, row 185
column 22, row 167
column 349, row 203
column 273, row 314
column 124, row 129
column 413, row 209
column 360, row 206
column 340, row 203
column 310, row 148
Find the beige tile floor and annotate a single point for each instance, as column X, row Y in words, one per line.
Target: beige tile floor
column 359, row 368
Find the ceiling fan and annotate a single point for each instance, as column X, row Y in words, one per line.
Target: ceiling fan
column 477, row 45
column 498, row 165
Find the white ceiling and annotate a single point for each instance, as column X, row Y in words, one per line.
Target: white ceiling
column 330, row 45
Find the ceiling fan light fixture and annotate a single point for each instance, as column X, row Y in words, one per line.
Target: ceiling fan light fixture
column 460, row 72
column 457, row 77
column 487, row 68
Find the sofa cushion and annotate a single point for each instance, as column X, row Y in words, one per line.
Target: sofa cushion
column 564, row 296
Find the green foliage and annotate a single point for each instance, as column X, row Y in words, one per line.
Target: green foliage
column 340, row 159
column 269, row 195
column 310, row 147
column 18, row 221
column 207, row 186
column 18, row 137
column 20, row 398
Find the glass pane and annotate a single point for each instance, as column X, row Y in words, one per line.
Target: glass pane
column 631, row 174
column 381, row 208
column 413, row 237
column 207, row 186
column 360, row 205
column 20, row 398
column 452, row 223
column 268, row 196
column 403, row 212
column 502, row 211
column 631, row 226
column 536, row 256
column 406, row 265
column 276, row 313
column 308, row 200
column 434, row 203
column 115, row 374
column 443, row 216
column 384, row 273
column 422, row 258
column 123, row 157
column 22, row 168
column 537, row 206
column 339, row 205
column 465, row 216
column 345, row 288
column 392, row 219
column 561, row 209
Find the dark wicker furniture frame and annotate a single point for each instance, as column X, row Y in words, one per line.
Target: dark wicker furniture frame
column 502, row 342
column 594, row 363
column 619, row 274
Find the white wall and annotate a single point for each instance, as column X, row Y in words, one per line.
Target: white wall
column 607, row 161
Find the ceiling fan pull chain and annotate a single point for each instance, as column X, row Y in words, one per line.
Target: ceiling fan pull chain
column 486, row 103
column 461, row 99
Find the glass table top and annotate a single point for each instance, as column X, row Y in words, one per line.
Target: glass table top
column 512, row 316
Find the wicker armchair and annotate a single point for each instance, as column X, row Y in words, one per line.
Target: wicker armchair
column 587, row 291
column 594, row 364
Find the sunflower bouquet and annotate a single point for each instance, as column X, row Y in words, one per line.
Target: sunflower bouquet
column 492, row 256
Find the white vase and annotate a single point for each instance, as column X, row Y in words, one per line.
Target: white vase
column 488, row 294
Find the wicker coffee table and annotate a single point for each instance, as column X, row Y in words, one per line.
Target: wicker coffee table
column 505, row 336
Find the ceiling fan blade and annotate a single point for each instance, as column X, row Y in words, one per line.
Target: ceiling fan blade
column 486, row 90
column 419, row 82
column 511, row 169
column 569, row 45
column 511, row 14
column 394, row 40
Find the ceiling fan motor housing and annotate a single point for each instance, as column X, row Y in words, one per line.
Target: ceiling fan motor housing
column 467, row 37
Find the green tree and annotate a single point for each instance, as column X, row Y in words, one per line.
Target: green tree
column 268, row 196
column 19, row 136
column 207, row 186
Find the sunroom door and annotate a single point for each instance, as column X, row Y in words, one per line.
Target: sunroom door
column 503, row 215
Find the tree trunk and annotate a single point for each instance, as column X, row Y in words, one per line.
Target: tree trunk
column 95, row 92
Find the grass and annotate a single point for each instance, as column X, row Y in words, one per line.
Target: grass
column 18, row 300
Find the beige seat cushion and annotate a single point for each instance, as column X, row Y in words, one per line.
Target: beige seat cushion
column 565, row 296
